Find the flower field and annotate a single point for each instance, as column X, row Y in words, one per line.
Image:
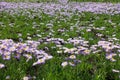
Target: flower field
column 62, row 40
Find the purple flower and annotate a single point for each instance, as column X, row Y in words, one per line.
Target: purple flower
column 110, row 56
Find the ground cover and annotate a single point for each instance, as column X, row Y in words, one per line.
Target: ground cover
column 55, row 41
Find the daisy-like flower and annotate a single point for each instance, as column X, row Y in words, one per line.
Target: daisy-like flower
column 2, row 65
column 67, row 50
column 3, row 46
column 6, row 57
column 73, row 49
column 32, row 44
column 26, row 48
column 106, row 47
column 94, row 47
column 12, row 49
column 72, row 57
column 112, row 59
column 103, row 43
column 40, row 61
column 110, row 56
column 99, row 35
column 85, row 52
column 28, row 56
column 48, row 57
column 71, row 64
column 17, row 55
column 64, row 63
column 81, row 48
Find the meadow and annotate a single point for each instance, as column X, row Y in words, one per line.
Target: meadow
column 60, row 41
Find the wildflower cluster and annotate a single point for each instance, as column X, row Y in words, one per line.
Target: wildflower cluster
column 109, row 48
column 53, row 8
column 8, row 48
column 82, row 47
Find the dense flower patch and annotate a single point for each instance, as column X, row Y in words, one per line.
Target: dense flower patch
column 8, row 48
column 81, row 47
column 63, row 9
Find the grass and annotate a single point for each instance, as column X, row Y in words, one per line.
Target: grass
column 92, row 67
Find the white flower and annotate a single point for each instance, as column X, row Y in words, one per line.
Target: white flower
column 7, row 77
column 67, row 51
column 2, row 65
column 64, row 63
column 38, row 35
column 40, row 61
column 19, row 34
column 88, row 30
column 25, row 78
column 73, row 49
column 72, row 57
column 114, row 70
column 29, row 37
column 59, row 51
column 48, row 57
column 59, row 46
column 71, row 64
